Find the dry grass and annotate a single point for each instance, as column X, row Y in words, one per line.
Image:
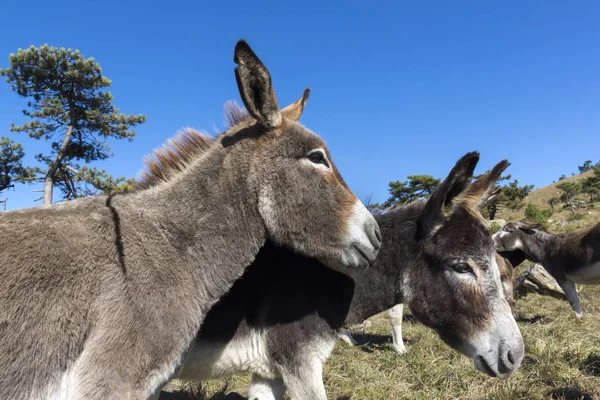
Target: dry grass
column 562, row 361
column 540, row 197
column 562, row 353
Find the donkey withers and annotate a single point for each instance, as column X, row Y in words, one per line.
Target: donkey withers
column 101, row 297
column 437, row 257
column 570, row 258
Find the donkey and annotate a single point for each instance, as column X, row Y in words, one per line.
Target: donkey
column 101, row 297
column 281, row 324
column 395, row 314
column 477, row 190
column 570, row 258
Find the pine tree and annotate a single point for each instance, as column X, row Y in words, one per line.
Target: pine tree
column 69, row 107
column 417, row 187
column 11, row 164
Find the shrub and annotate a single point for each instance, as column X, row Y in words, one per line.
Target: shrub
column 537, row 214
column 575, row 217
column 494, row 227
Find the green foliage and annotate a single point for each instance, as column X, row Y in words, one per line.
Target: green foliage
column 570, row 190
column 538, row 215
column 90, row 182
column 11, row 164
column 494, row 227
column 591, row 185
column 513, row 195
column 587, row 166
column 417, row 187
column 563, row 176
column 68, row 106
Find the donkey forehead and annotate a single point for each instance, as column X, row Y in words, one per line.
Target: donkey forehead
column 298, row 138
column 463, row 236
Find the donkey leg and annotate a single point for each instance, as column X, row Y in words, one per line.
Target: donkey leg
column 304, row 381
column 395, row 314
column 571, row 292
column 346, row 336
column 266, row 389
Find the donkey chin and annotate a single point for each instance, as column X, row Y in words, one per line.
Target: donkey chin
column 363, row 239
column 498, row 351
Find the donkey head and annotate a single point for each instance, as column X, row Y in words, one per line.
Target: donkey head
column 524, row 237
column 456, row 289
column 302, row 199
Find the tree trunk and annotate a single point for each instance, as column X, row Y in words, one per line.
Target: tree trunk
column 493, row 210
column 53, row 167
column 537, row 280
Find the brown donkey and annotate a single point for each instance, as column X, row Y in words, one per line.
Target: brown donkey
column 101, row 297
column 479, row 191
column 570, row 258
column 437, row 257
column 395, row 313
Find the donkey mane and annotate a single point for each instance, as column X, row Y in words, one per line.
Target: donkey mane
column 179, row 151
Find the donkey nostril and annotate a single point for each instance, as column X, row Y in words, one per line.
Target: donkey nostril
column 510, row 357
column 378, row 234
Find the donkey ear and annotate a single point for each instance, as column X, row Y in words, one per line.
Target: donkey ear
column 528, row 229
column 528, row 226
column 480, row 191
column 256, row 89
column 294, row 110
column 447, row 196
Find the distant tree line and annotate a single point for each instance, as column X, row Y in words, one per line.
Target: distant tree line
column 420, row 187
column 69, row 108
column 510, row 195
column 578, row 193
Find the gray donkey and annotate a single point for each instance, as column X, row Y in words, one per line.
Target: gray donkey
column 101, row 297
column 506, row 262
column 396, row 313
column 570, row 258
column 281, row 323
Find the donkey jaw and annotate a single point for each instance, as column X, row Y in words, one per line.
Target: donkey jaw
column 363, row 238
column 499, row 351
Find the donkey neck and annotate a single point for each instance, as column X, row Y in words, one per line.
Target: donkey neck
column 211, row 218
column 542, row 247
column 385, row 283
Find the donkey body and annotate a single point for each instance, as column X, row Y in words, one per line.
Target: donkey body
column 570, row 258
column 282, row 323
column 101, row 297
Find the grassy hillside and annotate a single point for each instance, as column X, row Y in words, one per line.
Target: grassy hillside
column 562, row 353
column 560, row 218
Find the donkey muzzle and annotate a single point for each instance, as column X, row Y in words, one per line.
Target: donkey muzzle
column 363, row 238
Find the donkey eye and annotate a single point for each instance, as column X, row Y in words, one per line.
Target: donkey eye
column 317, row 157
column 462, row 268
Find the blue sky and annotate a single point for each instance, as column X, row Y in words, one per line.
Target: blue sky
column 398, row 88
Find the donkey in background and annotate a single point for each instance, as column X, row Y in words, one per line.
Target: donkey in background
column 102, row 296
column 506, row 261
column 437, row 257
column 570, row 258
column 396, row 313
